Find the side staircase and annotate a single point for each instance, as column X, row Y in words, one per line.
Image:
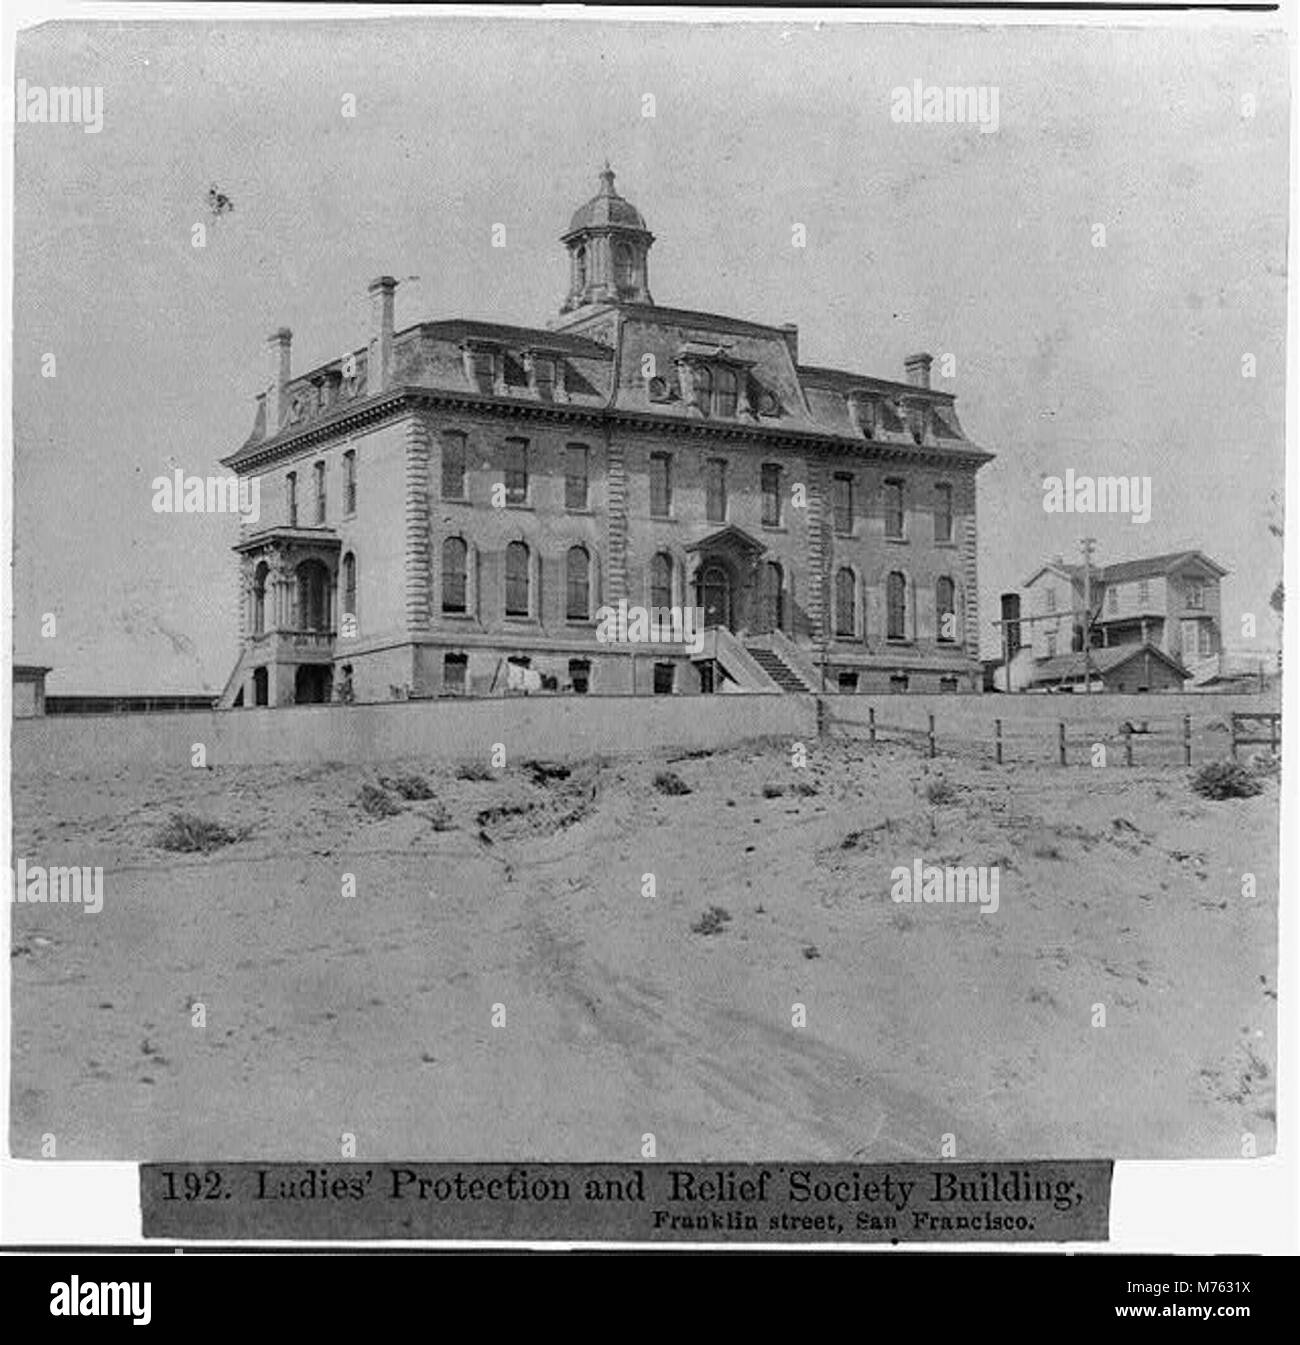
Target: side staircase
column 777, row 669
column 765, row 663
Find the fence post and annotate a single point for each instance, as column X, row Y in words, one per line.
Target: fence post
column 1273, row 726
column 931, row 734
column 1060, row 740
column 1234, row 737
column 1128, row 744
column 1187, row 740
column 997, row 740
column 871, row 725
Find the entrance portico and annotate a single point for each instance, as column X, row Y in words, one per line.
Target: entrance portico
column 725, row 578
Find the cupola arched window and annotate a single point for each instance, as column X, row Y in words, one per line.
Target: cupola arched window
column 624, row 267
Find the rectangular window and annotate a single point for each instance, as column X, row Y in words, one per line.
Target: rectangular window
column 771, row 478
column 575, row 476
column 580, row 676
column 350, row 482
column 453, row 465
column 661, row 485
column 1051, row 644
column 1112, row 601
column 894, row 509
column 1196, row 596
column 518, row 588
column 1051, row 600
column 516, row 471
column 715, row 490
column 848, row 681
column 898, row 683
column 1144, row 590
column 319, row 471
column 454, row 667
column 948, row 685
column 665, row 679
column 291, row 498
column 943, row 513
column 842, row 502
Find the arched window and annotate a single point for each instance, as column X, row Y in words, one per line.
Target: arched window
column 661, row 580
column 896, row 603
column 846, row 593
column 454, row 554
column 703, row 385
column 313, row 596
column 259, row 599
column 580, row 268
column 945, row 609
column 517, row 586
column 577, row 577
column 349, row 586
column 724, row 398
column 771, row 598
column 624, row 267
column 715, row 596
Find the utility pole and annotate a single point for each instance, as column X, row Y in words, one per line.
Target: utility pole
column 1086, row 546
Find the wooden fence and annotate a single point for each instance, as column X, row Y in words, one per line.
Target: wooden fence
column 1154, row 740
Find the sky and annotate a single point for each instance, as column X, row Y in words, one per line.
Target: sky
column 1122, row 359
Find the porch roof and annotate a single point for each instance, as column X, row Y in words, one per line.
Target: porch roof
column 729, row 537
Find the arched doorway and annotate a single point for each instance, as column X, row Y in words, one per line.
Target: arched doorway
column 261, row 687
column 313, row 596
column 312, row 684
column 713, row 594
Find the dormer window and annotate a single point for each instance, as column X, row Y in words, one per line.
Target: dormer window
column 724, row 393
column 862, row 412
column 714, row 387
column 541, row 374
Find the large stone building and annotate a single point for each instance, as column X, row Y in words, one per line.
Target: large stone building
column 450, row 505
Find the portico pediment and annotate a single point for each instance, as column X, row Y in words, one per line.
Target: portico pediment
column 729, row 539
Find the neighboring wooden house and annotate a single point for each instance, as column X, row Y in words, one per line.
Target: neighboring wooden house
column 1168, row 603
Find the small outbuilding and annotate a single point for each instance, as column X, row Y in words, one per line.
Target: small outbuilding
column 29, row 690
column 1119, row 668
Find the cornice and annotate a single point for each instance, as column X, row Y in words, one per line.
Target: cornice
column 396, row 401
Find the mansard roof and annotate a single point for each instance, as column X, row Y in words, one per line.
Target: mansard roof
column 596, row 363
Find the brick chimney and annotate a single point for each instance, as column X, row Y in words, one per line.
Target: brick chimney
column 918, row 369
column 790, row 330
column 278, row 345
column 379, row 369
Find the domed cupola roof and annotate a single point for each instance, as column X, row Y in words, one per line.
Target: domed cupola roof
column 609, row 249
column 606, row 208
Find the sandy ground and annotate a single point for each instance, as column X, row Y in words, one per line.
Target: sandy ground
column 373, row 1014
